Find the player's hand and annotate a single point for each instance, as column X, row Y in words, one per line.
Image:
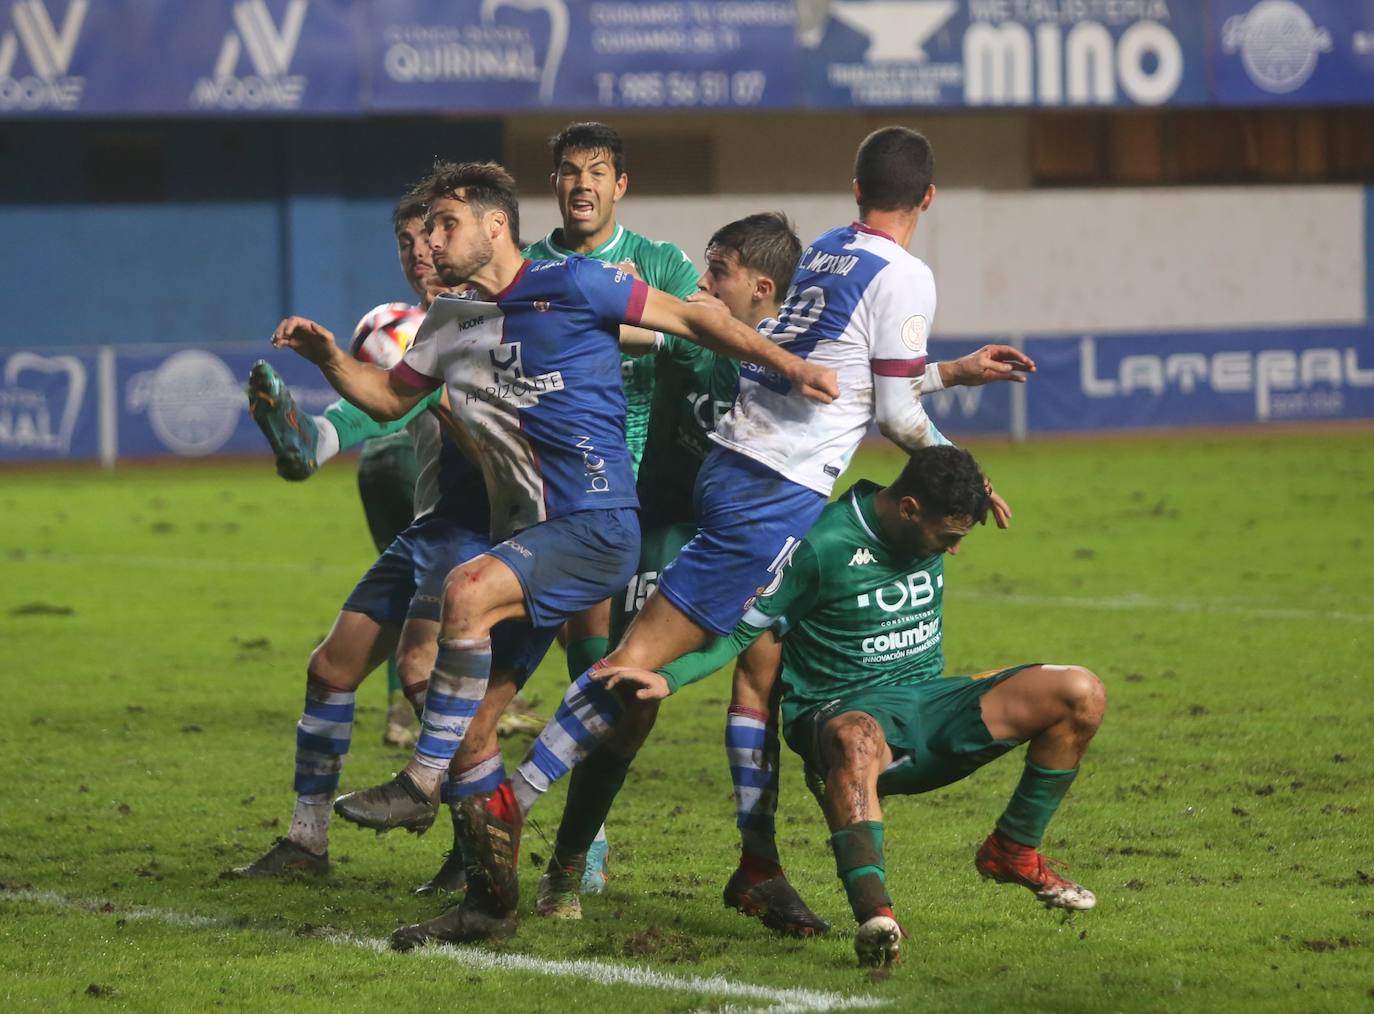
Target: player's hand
column 704, row 298
column 991, row 363
column 1001, row 510
column 629, row 268
column 646, row 684
column 819, row 383
column 306, row 338
column 435, row 288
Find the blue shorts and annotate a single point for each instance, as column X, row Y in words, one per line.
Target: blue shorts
column 408, row 578
column 571, row 563
column 751, row 520
column 407, row 582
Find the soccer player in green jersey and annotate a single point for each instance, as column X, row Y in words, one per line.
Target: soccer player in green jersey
column 588, row 181
column 856, row 622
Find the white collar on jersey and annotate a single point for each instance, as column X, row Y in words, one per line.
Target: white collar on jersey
column 563, row 253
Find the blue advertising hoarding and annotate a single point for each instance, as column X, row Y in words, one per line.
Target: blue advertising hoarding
column 246, row 57
column 48, row 406
column 1292, row 51
column 505, row 54
column 190, row 402
column 1141, row 381
column 339, row 58
column 1005, row 53
column 967, row 411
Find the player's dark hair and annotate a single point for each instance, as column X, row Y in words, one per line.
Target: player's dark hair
column 590, row 136
column 894, row 168
column 945, row 481
column 408, row 208
column 486, row 186
column 766, row 242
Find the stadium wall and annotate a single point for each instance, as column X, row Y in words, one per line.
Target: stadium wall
column 1119, row 259
column 194, row 270
column 186, row 232
column 1146, row 308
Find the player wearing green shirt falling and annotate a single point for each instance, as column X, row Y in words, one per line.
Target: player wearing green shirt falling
column 856, row 621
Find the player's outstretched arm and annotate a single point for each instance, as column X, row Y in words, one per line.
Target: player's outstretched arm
column 987, row 365
column 637, row 341
column 655, row 685
column 715, row 329
column 377, row 392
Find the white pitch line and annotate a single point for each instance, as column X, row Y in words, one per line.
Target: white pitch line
column 1138, row 601
column 780, row 1001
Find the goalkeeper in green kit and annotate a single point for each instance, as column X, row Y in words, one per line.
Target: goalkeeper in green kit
column 856, row 623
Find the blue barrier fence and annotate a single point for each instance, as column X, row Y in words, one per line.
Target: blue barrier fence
column 338, row 57
column 150, row 401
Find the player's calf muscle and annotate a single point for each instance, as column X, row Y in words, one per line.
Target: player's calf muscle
column 338, row 665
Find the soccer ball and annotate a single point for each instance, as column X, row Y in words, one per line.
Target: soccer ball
column 385, row 332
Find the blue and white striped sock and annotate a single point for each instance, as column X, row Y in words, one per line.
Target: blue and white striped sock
column 323, row 736
column 456, row 688
column 481, row 778
column 751, row 744
column 582, row 722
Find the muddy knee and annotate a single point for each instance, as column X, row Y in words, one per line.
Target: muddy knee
column 1084, row 696
column 852, row 741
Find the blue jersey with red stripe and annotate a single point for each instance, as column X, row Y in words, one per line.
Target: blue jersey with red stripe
column 533, row 379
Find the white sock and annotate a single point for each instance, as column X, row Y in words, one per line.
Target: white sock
column 326, row 439
column 426, row 779
column 528, row 786
column 310, row 824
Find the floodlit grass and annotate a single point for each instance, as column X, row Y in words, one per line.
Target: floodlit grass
column 155, row 625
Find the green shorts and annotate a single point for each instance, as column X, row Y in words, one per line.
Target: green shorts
column 386, row 482
column 935, row 729
column 658, row 547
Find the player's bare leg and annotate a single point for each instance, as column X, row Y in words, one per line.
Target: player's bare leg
column 758, row 887
column 478, row 594
column 356, row 645
column 1058, row 708
column 415, row 653
column 659, row 634
column 855, row 752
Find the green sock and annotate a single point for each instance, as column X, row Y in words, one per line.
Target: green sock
column 393, row 678
column 859, row 863
column 1037, row 796
column 591, row 791
column 584, row 653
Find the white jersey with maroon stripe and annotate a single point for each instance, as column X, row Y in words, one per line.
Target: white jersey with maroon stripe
column 863, row 305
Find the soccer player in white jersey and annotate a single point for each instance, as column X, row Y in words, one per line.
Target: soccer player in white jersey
column 859, row 303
